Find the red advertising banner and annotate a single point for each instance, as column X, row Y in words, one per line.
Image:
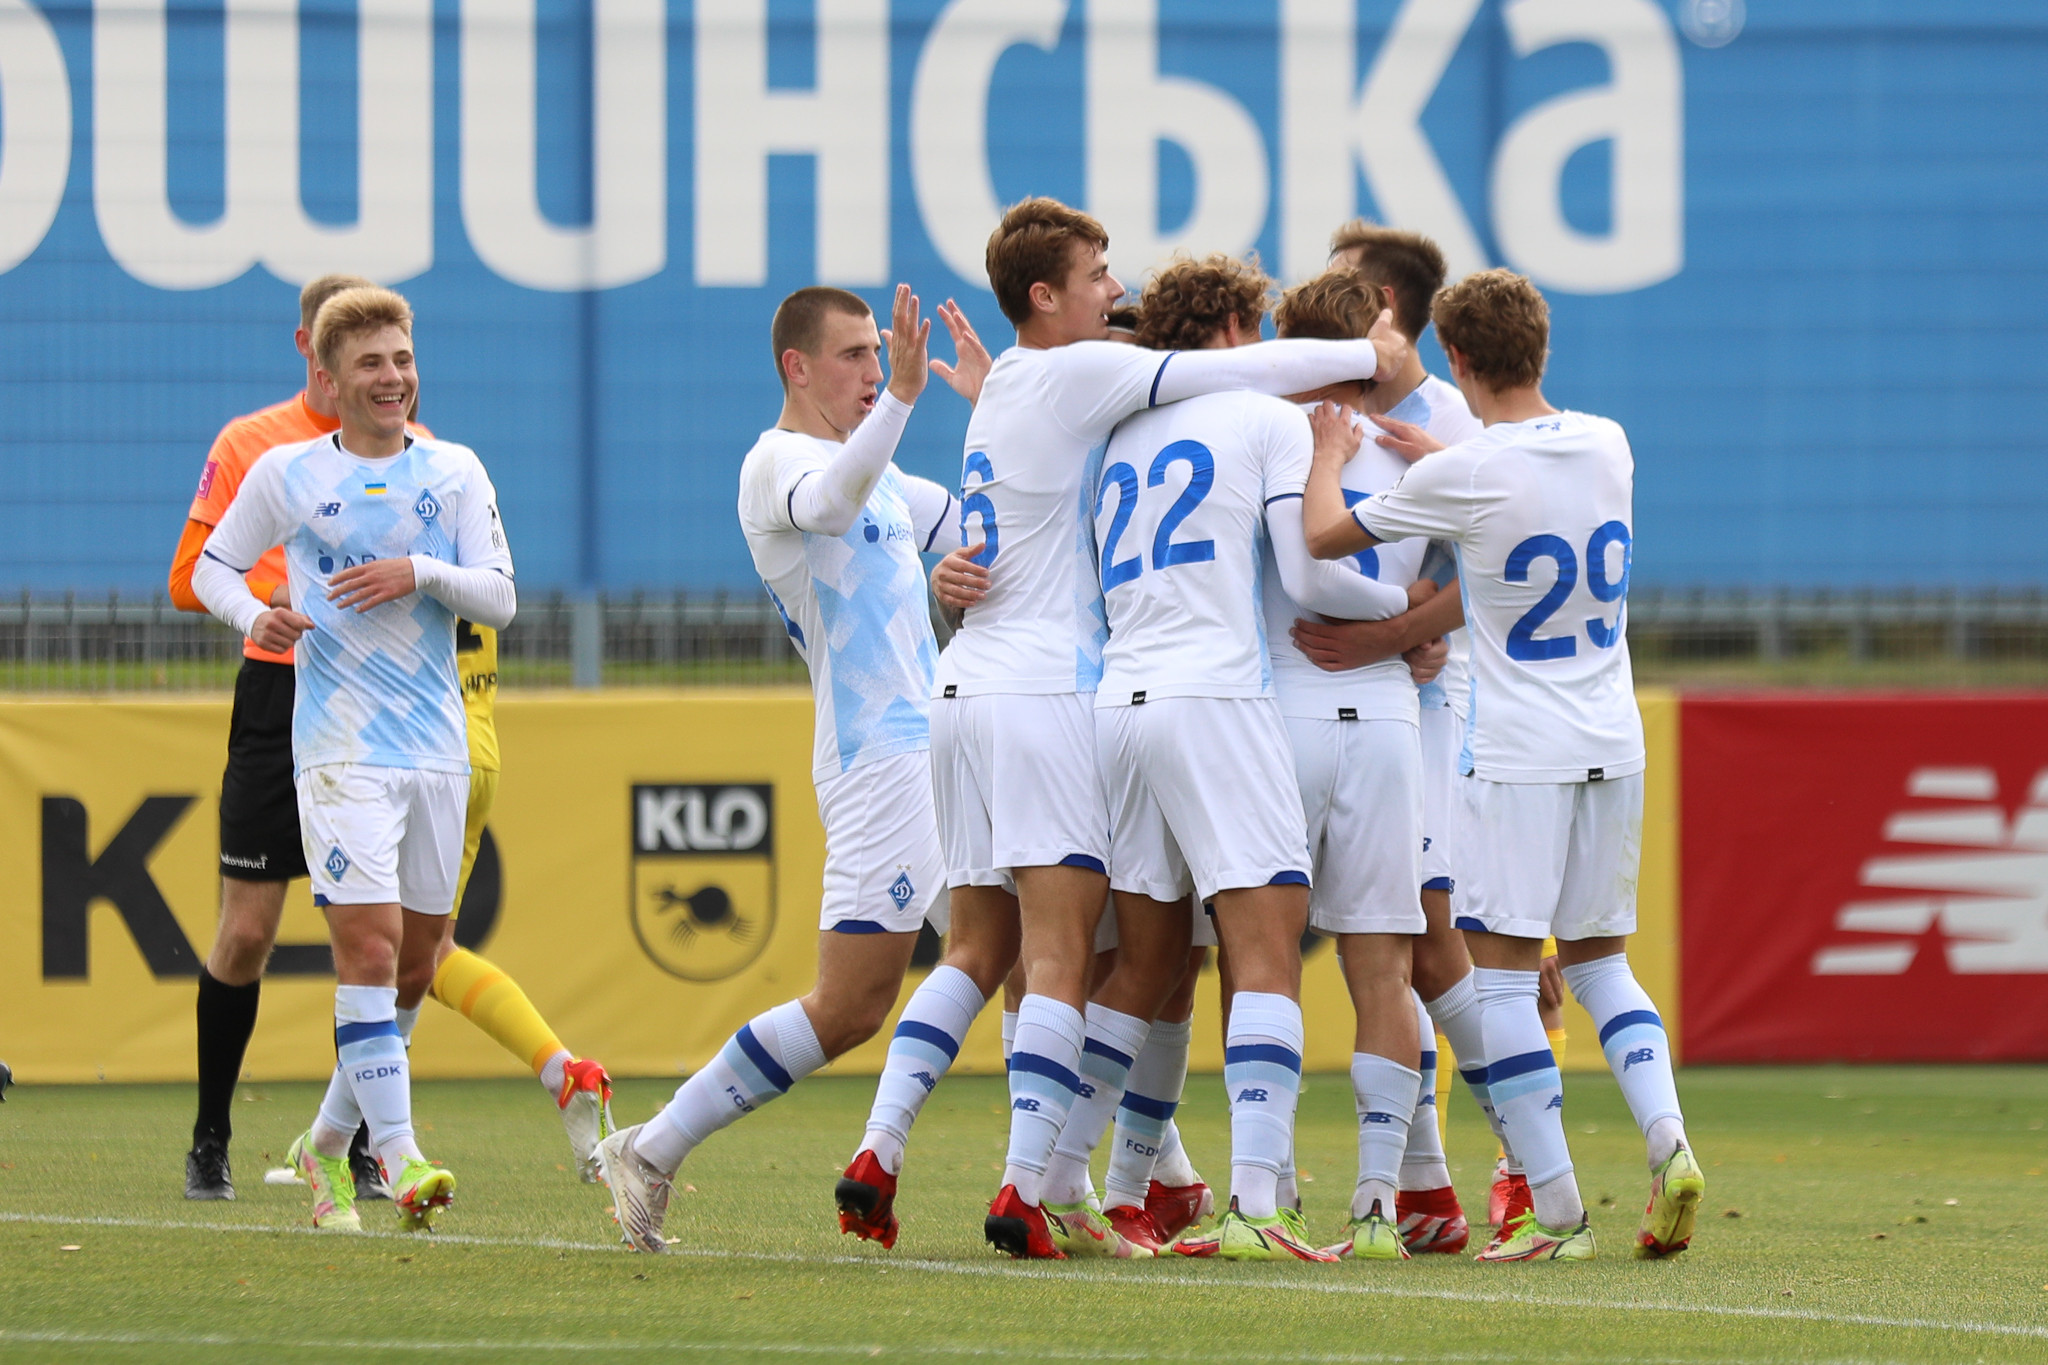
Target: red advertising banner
column 1864, row 877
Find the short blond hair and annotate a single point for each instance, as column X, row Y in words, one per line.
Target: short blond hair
column 353, row 313
column 319, row 291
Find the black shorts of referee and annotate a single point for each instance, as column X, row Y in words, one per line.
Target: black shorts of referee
column 259, row 805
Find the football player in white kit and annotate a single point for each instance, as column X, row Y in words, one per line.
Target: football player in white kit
column 1539, row 507
column 835, row 530
column 388, row 539
column 1358, row 759
column 1021, row 809
column 1192, row 498
column 1409, row 268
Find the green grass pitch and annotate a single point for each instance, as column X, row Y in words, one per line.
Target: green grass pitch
column 1893, row 1214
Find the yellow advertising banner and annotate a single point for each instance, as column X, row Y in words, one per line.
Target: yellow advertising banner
column 651, row 881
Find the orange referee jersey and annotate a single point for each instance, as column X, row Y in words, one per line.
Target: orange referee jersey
column 240, row 444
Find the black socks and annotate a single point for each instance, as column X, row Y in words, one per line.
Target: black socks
column 227, row 1016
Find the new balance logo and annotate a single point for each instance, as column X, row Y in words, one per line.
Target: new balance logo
column 1087, row 1091
column 1641, row 1054
column 1986, row 892
column 1375, row 1116
column 1027, row 1104
column 1556, row 1102
column 1251, row 1096
column 925, row 1079
column 327, row 509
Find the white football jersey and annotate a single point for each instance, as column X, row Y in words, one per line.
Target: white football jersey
column 1379, row 691
column 1179, row 520
column 1439, row 409
column 376, row 687
column 1541, row 513
column 1034, row 445
column 854, row 605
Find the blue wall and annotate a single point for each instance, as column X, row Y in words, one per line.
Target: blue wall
column 1828, row 363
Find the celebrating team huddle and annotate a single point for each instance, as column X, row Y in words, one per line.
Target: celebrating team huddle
column 1254, row 637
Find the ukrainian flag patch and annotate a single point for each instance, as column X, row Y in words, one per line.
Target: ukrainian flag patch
column 376, row 488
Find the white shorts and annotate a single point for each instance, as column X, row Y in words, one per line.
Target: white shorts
column 1204, row 926
column 376, row 835
column 1016, row 785
column 1551, row 857
column 1361, row 788
column 1443, row 737
column 883, row 871
column 1201, row 795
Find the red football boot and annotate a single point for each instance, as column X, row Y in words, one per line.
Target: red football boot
column 1022, row 1230
column 1511, row 1192
column 1432, row 1221
column 1176, row 1208
column 1138, row 1227
column 866, row 1196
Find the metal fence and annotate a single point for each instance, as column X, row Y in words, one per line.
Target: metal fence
column 115, row 644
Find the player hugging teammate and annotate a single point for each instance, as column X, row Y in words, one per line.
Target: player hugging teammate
column 1202, row 622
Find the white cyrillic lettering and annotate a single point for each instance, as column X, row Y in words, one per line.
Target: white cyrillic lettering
column 1323, row 128
column 627, row 236
column 1131, row 110
column 35, row 130
column 265, row 219
column 843, row 123
column 1638, row 112
column 949, row 120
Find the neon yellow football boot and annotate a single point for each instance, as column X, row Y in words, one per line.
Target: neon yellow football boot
column 1090, row 1234
column 1676, row 1189
column 1525, row 1239
column 419, row 1194
column 334, row 1189
column 1373, row 1238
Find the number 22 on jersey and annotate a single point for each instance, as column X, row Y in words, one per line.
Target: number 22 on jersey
column 1166, row 552
column 1523, row 643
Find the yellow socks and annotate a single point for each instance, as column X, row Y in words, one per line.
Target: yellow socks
column 494, row 1003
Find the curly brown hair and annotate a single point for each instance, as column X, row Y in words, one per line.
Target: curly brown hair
column 1187, row 301
column 1337, row 305
column 1499, row 323
column 1034, row 244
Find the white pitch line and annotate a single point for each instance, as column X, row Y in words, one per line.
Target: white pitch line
column 1378, row 1288
column 858, row 1350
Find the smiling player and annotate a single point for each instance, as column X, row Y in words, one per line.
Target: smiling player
column 388, row 538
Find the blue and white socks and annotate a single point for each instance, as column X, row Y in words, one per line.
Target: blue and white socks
column 1262, row 1068
column 373, row 1075
column 1638, row 1052
column 1147, row 1142
column 1112, row 1044
column 927, row 1040
column 1527, row 1092
column 769, row 1054
column 1045, row 1080
column 1385, row 1093
column 1423, row 1166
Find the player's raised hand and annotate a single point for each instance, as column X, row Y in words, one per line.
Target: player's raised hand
column 1337, row 439
column 1393, row 348
column 278, row 629
column 966, row 375
column 957, row 581
column 907, row 338
column 372, row 584
column 1405, row 439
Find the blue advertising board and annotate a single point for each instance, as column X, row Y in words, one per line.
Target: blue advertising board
column 1793, row 247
